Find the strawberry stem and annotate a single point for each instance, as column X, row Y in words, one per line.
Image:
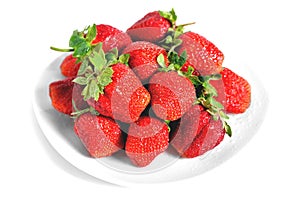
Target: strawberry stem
column 78, row 112
column 186, row 24
column 61, row 50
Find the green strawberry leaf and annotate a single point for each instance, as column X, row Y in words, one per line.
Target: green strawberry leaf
column 207, row 100
column 76, row 39
column 91, row 33
column 85, row 93
column 171, row 16
column 83, row 68
column 81, row 50
column 94, row 90
column 97, row 58
column 227, row 129
column 81, row 80
column 176, row 64
column 95, row 72
column 80, row 42
column 171, row 41
column 163, row 67
column 223, row 115
column 209, row 89
column 105, row 77
column 161, row 61
column 179, row 30
column 176, row 59
column 194, row 80
column 216, row 104
column 112, row 57
column 124, row 58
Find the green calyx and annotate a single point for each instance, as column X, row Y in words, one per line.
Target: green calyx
column 171, row 41
column 167, row 122
column 96, row 72
column 176, row 63
column 207, row 100
column 169, row 15
column 80, row 42
column 208, row 92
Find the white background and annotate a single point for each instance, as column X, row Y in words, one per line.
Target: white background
column 262, row 34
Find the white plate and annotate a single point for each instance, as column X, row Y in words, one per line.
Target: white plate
column 117, row 169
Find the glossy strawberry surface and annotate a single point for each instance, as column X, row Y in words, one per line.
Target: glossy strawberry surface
column 237, row 91
column 111, row 37
column 189, row 127
column 100, row 135
column 203, row 55
column 152, row 28
column 69, row 67
column 208, row 138
column 125, row 98
column 143, row 58
column 60, row 93
column 147, row 138
column 171, row 95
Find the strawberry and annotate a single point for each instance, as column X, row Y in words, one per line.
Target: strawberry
column 83, row 42
column 143, row 58
column 190, row 125
column 125, row 98
column 171, row 95
column 212, row 98
column 111, row 87
column 208, row 138
column 203, row 55
column 237, row 91
column 62, row 93
column 100, row 135
column 69, row 67
column 111, row 37
column 147, row 138
column 152, row 28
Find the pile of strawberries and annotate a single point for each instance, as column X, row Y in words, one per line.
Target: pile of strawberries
column 152, row 87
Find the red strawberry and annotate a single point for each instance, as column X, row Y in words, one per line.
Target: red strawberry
column 203, row 55
column 189, row 127
column 100, row 135
column 237, row 91
column 152, row 28
column 69, row 67
column 125, row 98
column 209, row 137
column 80, row 103
column 147, row 138
column 81, row 45
column 82, row 42
column 171, row 95
column 111, row 38
column 143, row 58
column 62, row 92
